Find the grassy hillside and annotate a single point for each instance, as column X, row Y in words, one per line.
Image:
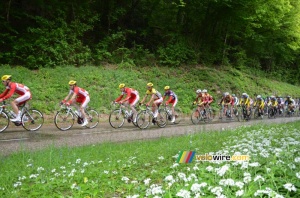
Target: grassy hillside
column 50, row 86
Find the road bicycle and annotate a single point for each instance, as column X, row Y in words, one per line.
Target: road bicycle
column 257, row 113
column 169, row 114
column 202, row 114
column 65, row 117
column 228, row 115
column 272, row 112
column 146, row 116
column 246, row 115
column 118, row 116
column 31, row 119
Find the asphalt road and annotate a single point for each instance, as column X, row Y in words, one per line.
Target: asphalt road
column 17, row 139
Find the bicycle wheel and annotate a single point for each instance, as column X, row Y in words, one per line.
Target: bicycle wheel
column 92, row 117
column 256, row 113
column 143, row 119
column 64, row 120
column 195, row 117
column 208, row 116
column 178, row 115
column 116, row 118
column 4, row 121
column 161, row 119
column 32, row 119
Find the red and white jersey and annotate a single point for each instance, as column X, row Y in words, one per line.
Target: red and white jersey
column 129, row 92
column 12, row 88
column 81, row 93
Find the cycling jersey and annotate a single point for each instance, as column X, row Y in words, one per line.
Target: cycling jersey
column 81, row 94
column 273, row 103
column 207, row 98
column 155, row 93
column 236, row 100
column 290, row 102
column 260, row 103
column 172, row 97
column 245, row 101
column 19, row 89
column 132, row 96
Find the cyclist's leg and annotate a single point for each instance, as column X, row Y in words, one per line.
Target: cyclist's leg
column 18, row 101
column 155, row 106
column 83, row 105
column 174, row 103
column 132, row 102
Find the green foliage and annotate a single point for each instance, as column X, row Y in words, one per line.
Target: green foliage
column 176, row 54
column 49, row 86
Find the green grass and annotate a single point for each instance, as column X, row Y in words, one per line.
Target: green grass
column 50, row 86
column 123, row 169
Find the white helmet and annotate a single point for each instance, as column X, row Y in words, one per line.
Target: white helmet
column 204, row 91
column 258, row 96
column 226, row 93
column 198, row 91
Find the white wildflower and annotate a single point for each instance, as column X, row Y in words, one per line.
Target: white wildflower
column 183, row 193
column 161, row 158
column 290, row 187
column 17, row 184
column 221, row 171
column 297, row 159
column 259, row 177
column 78, row 161
column 239, row 193
column 239, row 184
column 254, row 164
column 216, row 190
column 209, row 168
column 125, row 179
column 298, row 175
column 105, row 172
column 147, row 181
column 53, row 170
column 133, row 196
column 39, row 169
column 174, row 165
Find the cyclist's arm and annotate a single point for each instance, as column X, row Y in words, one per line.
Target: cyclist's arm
column 3, row 94
column 145, row 97
column 9, row 92
column 119, row 98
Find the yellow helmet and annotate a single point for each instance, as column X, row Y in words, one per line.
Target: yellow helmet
column 72, row 82
column 167, row 87
column 6, row 77
column 150, row 84
column 122, row 85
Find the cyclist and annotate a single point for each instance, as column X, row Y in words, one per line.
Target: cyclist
column 78, row 95
column 199, row 100
column 227, row 101
column 260, row 104
column 290, row 103
column 132, row 97
column 11, row 88
column 273, row 103
column 245, row 100
column 173, row 99
column 208, row 99
column 156, row 99
column 280, row 102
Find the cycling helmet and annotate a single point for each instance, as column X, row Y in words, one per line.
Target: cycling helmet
column 233, row 95
column 150, row 84
column 122, row 85
column 258, row 96
column 167, row 87
column 204, row 91
column 72, row 82
column 273, row 98
column 244, row 95
column 6, row 77
column 226, row 94
column 198, row 91
column 288, row 97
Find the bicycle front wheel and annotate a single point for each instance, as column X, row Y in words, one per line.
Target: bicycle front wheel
column 4, row 121
column 32, row 120
column 195, row 117
column 143, row 119
column 178, row 115
column 116, row 118
column 93, row 118
column 64, row 120
column 161, row 118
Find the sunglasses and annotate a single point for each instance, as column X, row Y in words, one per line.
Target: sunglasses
column 3, row 80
